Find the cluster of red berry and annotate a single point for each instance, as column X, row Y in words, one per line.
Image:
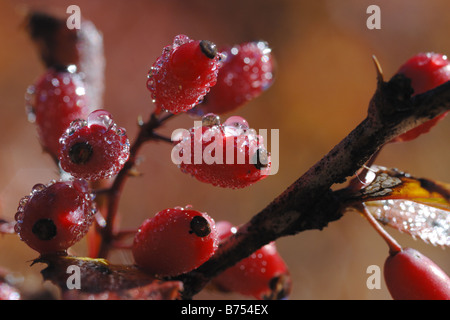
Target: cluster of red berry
column 89, row 146
column 199, row 78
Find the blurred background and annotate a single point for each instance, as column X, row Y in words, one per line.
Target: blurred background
column 324, row 80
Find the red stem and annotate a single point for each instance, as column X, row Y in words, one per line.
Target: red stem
column 394, row 246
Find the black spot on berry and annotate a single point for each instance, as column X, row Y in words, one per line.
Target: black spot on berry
column 280, row 287
column 200, row 226
column 80, row 152
column 262, row 159
column 44, row 229
column 208, row 48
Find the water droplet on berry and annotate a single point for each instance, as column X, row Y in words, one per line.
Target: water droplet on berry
column 76, row 125
column 72, row 68
column 19, row 215
column 210, row 120
column 180, row 40
column 37, row 188
column 237, row 122
column 100, row 117
column 222, row 57
column 264, row 47
column 121, row 131
column 55, row 82
column 31, row 115
column 29, row 103
column 23, row 202
column 82, row 186
column 234, row 51
column 17, row 229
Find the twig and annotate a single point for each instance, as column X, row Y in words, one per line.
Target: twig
column 157, row 136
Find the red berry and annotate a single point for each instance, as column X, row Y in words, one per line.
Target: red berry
column 175, row 241
column 183, row 74
column 263, row 275
column 409, row 275
column 246, row 72
column 57, row 99
column 94, row 149
column 228, row 155
column 426, row 71
column 55, row 216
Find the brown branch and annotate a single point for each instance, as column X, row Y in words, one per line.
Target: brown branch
column 309, row 202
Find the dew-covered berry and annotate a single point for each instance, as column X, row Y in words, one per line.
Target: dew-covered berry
column 175, row 241
column 55, row 216
column 53, row 102
column 95, row 148
column 183, row 74
column 247, row 70
column 228, row 155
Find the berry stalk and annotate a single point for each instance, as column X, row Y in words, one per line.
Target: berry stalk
column 394, row 246
column 114, row 193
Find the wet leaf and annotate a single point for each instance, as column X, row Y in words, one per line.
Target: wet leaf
column 99, row 279
column 430, row 224
column 393, row 184
column 416, row 206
